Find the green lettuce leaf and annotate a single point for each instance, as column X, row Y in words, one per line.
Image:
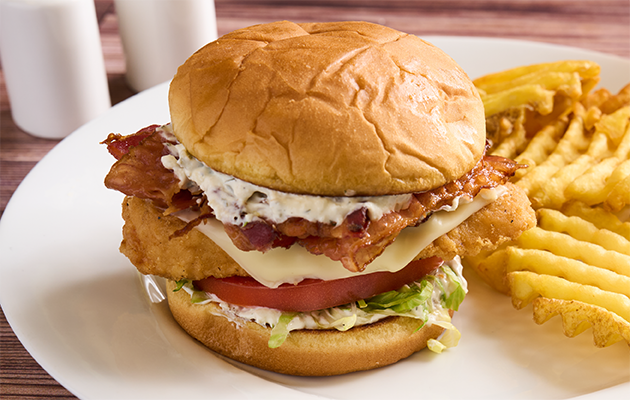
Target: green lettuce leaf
column 280, row 332
column 180, row 284
column 456, row 297
column 400, row 301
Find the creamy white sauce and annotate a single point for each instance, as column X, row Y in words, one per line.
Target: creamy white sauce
column 237, row 202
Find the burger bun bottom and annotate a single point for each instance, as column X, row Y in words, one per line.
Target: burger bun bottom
column 305, row 352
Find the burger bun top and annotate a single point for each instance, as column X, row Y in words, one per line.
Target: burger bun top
column 332, row 109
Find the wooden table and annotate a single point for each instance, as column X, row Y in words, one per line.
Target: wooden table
column 591, row 24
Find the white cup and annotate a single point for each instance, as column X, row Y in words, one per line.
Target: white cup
column 159, row 35
column 53, row 64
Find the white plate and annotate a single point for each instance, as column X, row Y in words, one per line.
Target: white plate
column 78, row 307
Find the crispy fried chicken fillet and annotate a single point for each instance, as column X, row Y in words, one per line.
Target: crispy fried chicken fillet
column 356, row 242
column 149, row 244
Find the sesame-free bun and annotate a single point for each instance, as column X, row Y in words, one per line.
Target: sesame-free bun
column 305, row 352
column 329, row 109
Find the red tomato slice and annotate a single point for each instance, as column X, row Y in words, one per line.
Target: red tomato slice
column 315, row 294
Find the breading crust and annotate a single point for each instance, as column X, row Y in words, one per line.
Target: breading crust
column 148, row 245
column 503, row 220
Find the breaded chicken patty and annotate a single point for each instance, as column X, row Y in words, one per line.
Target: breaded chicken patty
column 147, row 240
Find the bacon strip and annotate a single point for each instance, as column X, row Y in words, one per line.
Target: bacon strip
column 258, row 236
column 119, row 145
column 356, row 242
column 139, row 171
column 355, row 252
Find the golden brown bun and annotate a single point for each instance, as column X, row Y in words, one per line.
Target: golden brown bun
column 328, row 109
column 195, row 256
column 305, row 352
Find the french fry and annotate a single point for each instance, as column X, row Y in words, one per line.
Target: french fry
column 552, row 192
column 527, row 286
column 600, row 217
column 514, row 143
column 608, row 328
column 576, row 143
column 541, row 145
column 547, row 89
column 545, row 263
column 568, row 83
column 585, row 177
column 613, row 103
column 491, row 267
column 595, row 185
column 596, row 98
column 535, row 96
column 568, row 149
column 619, row 196
column 563, row 106
column 519, row 76
column 500, row 126
column 592, row 116
column 615, row 125
column 564, row 245
column 580, row 229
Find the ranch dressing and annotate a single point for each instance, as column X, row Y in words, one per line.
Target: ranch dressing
column 237, row 202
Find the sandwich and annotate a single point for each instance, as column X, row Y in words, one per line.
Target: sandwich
column 312, row 195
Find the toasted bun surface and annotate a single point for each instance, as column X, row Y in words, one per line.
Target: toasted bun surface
column 328, row 109
column 305, row 352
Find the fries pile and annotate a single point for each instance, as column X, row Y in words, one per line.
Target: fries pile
column 576, row 142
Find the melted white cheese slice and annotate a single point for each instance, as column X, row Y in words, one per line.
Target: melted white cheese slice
column 279, row 265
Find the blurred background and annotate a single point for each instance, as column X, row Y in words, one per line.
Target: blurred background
column 599, row 25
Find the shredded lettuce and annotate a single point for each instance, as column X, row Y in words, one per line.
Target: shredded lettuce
column 345, row 323
column 435, row 346
column 427, row 300
column 400, row 301
column 180, row 284
column 198, row 297
column 456, row 297
column 280, row 332
column 451, row 335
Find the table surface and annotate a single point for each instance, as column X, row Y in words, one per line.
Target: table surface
column 591, row 24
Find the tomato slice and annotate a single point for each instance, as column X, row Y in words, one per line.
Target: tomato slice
column 315, row 294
